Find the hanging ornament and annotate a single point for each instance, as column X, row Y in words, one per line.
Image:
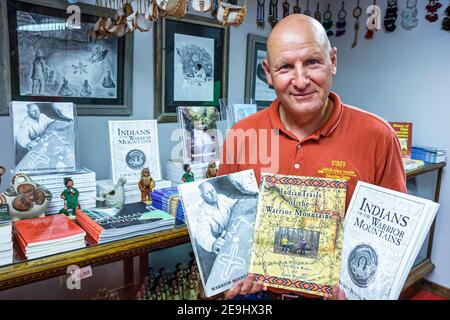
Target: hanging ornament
column 307, row 12
column 273, row 13
column 391, row 16
column 286, row 6
column 317, row 14
column 432, row 8
column 328, row 22
column 260, row 20
column 446, row 21
column 341, row 23
column 297, row 8
column 370, row 32
column 357, row 12
column 215, row 7
column 201, row 5
column 409, row 15
column 231, row 14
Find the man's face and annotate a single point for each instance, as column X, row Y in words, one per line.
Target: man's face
column 33, row 112
column 300, row 68
column 209, row 194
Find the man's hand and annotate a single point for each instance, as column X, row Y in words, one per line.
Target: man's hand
column 246, row 286
column 338, row 294
column 218, row 244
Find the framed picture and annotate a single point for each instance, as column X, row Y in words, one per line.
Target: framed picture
column 46, row 61
column 191, row 64
column 256, row 86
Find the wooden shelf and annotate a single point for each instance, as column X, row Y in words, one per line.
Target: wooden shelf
column 428, row 167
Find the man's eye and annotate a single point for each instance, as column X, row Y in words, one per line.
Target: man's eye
column 285, row 67
column 312, row 62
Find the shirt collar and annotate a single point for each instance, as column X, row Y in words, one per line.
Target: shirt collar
column 326, row 130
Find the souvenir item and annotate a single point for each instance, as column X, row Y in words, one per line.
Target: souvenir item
column 286, row 6
column 146, row 185
column 212, row 170
column 70, row 196
column 317, row 14
column 356, row 14
column 446, row 21
column 297, row 8
column 201, row 5
column 2, row 172
column 432, row 8
column 391, row 16
column 370, row 32
column 409, row 15
column 341, row 23
column 260, row 8
column 328, row 22
column 188, row 176
column 307, row 11
column 273, row 13
column 25, row 198
column 231, row 15
column 116, row 197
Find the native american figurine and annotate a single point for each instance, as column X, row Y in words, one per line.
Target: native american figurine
column 212, row 170
column 70, row 196
column 146, row 185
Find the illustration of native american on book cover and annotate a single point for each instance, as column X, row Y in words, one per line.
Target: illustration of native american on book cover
column 298, row 233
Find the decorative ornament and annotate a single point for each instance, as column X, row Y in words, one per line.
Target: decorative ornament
column 328, row 22
column 341, row 23
column 446, row 21
column 260, row 8
column 391, row 16
column 356, row 14
column 230, row 14
column 215, row 7
column 286, row 6
column 409, row 15
column 201, row 5
column 432, row 8
column 317, row 14
column 307, row 12
column 273, row 13
column 370, row 32
column 297, row 8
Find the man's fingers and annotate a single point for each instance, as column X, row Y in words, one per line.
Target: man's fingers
column 258, row 286
column 247, row 285
column 234, row 291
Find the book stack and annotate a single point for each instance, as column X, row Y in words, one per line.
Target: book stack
column 6, row 246
column 175, row 170
column 39, row 237
column 132, row 192
column 83, row 181
column 134, row 219
column 429, row 154
column 168, row 200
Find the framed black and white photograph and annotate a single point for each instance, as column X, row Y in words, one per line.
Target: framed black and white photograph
column 191, row 64
column 256, row 85
column 50, row 62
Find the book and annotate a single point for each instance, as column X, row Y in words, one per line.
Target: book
column 111, row 224
column 44, row 135
column 403, row 131
column 220, row 214
column 298, row 233
column 429, row 154
column 384, row 231
column 168, row 200
column 134, row 145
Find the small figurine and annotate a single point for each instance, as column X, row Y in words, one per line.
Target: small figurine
column 174, row 291
column 212, row 170
column 146, row 185
column 2, row 172
column 189, row 175
column 70, row 196
column 116, row 197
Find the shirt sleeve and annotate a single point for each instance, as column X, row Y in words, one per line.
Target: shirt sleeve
column 204, row 236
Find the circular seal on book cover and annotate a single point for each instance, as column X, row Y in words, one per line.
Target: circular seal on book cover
column 135, row 159
column 362, row 265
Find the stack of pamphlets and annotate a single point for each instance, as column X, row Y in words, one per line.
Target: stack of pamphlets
column 132, row 192
column 412, row 164
column 168, row 200
column 39, row 237
column 6, row 246
column 83, row 181
column 134, row 219
column 429, row 154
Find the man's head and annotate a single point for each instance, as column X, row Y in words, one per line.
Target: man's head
column 33, row 111
column 209, row 193
column 300, row 64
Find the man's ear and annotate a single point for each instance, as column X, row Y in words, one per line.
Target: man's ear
column 334, row 61
column 267, row 72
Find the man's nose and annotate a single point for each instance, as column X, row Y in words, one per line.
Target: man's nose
column 300, row 78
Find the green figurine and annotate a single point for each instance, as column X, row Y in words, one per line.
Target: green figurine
column 70, row 196
column 189, row 175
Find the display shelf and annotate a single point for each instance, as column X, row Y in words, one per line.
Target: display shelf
column 428, row 167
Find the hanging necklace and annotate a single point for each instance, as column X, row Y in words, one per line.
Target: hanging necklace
column 391, row 16
column 370, row 32
column 273, row 13
column 317, row 14
column 446, row 21
column 341, row 23
column 286, row 6
column 356, row 14
column 409, row 15
column 432, row 8
column 260, row 23
column 297, row 8
column 307, row 12
column 328, row 22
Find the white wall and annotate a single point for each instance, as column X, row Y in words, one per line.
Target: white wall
column 403, row 76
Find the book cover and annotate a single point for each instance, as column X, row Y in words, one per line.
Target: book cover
column 220, row 214
column 403, row 131
column 134, row 145
column 46, row 230
column 298, row 233
column 384, row 230
column 44, row 134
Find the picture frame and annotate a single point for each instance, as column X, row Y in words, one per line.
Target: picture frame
column 193, row 70
column 256, row 87
column 44, row 61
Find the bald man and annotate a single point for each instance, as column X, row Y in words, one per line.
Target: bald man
column 307, row 130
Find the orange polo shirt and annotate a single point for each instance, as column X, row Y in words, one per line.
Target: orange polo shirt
column 353, row 145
